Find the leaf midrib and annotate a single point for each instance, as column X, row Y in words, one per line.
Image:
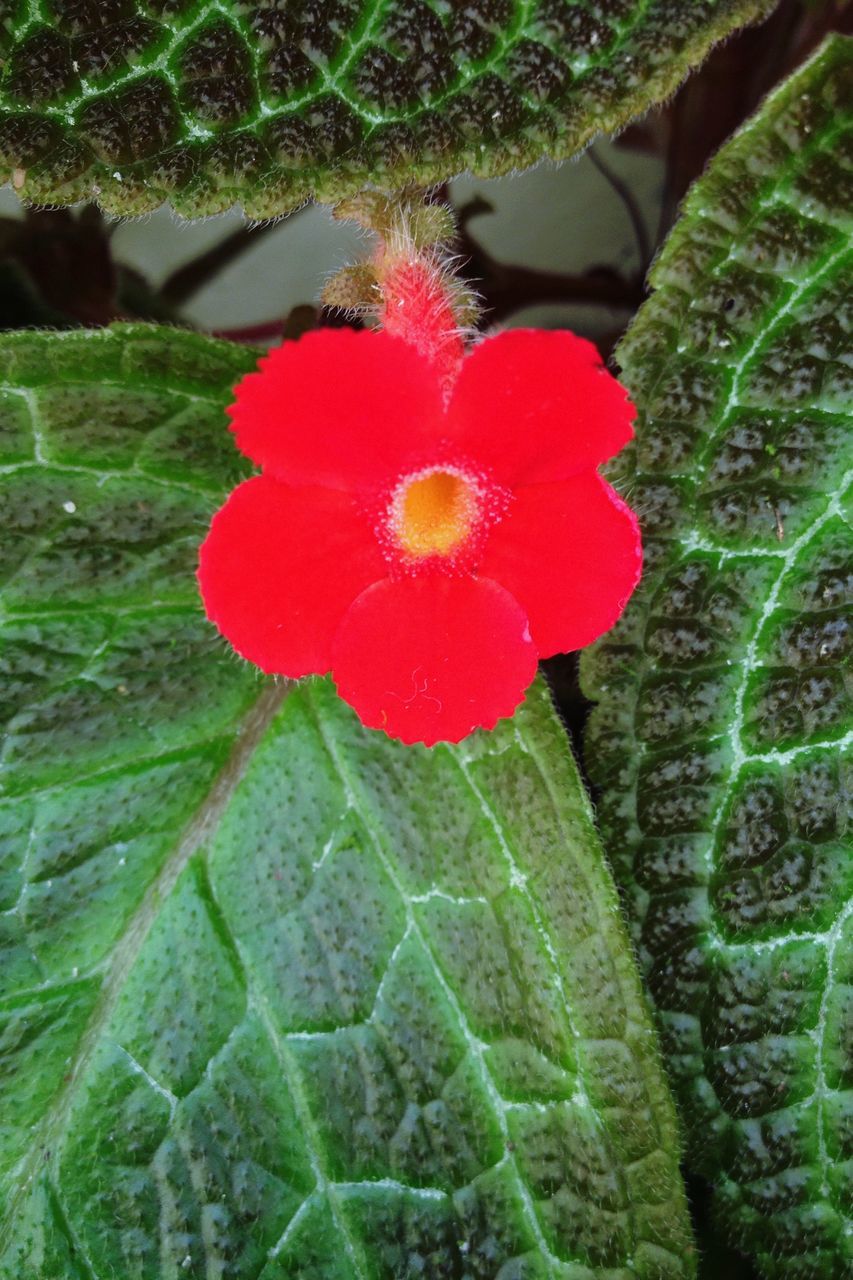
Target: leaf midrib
column 120, row 961
column 682, row 543
column 472, row 1042
column 715, row 934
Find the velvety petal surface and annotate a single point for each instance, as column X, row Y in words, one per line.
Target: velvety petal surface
column 431, row 658
column 339, row 408
column 533, row 405
column 571, row 554
column 279, row 568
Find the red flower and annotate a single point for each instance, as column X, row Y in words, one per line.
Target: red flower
column 426, row 554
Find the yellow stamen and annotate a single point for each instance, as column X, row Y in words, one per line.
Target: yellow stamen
column 434, row 513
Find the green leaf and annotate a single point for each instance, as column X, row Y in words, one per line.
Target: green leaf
column 279, row 997
column 722, row 737
column 272, row 102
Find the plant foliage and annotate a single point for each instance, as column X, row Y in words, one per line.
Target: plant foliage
column 722, row 735
column 270, row 102
column 279, row 997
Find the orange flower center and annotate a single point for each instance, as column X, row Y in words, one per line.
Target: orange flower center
column 433, row 512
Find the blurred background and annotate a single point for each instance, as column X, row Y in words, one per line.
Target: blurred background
column 565, row 246
column 558, row 245
column 578, row 237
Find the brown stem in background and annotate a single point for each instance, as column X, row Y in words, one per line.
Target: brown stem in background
column 180, row 286
column 65, row 255
column 304, row 317
column 505, row 287
column 632, row 208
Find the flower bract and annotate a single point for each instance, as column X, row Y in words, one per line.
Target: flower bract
column 425, row 548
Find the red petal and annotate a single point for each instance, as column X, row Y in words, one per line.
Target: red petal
column 429, row 659
column 535, row 405
column 571, row 554
column 337, row 408
column 279, row 568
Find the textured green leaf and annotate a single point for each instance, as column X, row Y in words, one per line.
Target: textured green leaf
column 270, row 102
column 723, row 731
column 279, row 997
